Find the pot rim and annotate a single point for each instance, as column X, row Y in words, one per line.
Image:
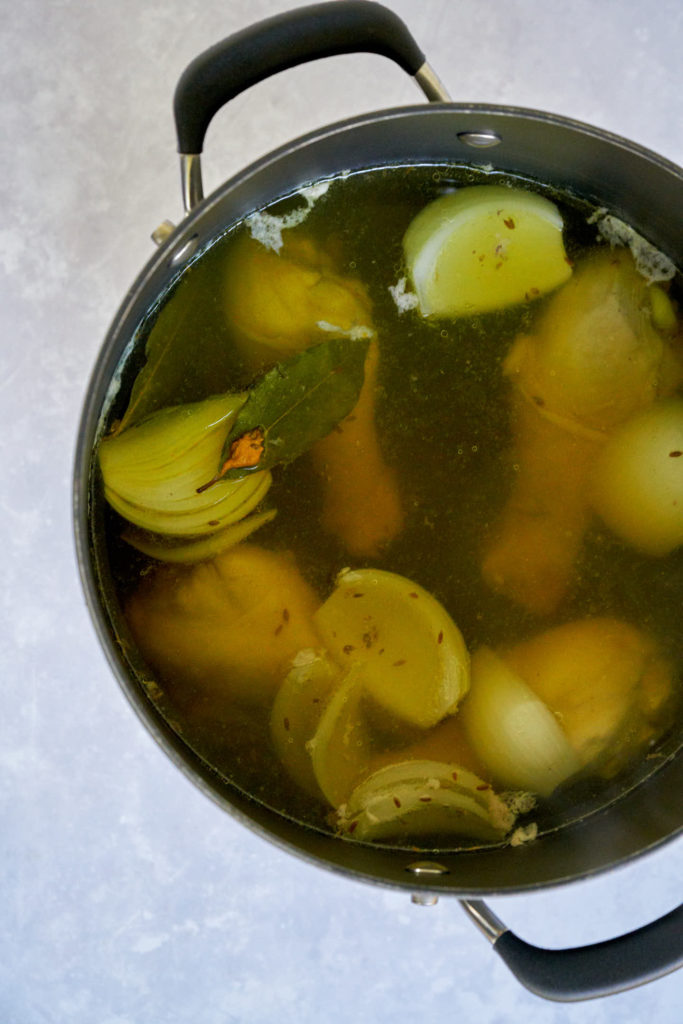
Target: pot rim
column 199, row 228
column 461, row 108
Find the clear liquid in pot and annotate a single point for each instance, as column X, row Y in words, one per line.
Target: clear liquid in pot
column 446, row 427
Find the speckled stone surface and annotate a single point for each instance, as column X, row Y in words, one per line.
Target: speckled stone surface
column 126, row 896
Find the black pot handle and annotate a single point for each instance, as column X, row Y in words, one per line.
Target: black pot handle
column 586, row 972
column 295, row 37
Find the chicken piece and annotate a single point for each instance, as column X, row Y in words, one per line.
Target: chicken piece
column 226, row 628
column 605, row 680
column 594, row 359
column 447, row 741
column 539, row 534
column 362, row 505
column 281, row 303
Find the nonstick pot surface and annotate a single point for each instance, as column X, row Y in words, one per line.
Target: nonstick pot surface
column 604, row 170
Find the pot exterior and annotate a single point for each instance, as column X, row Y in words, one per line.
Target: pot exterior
column 633, row 184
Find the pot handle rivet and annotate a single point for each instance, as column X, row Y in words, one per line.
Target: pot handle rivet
column 424, row 899
column 184, row 251
column 480, row 140
column 425, row 868
column 164, row 231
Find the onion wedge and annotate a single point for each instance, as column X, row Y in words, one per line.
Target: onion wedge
column 421, row 798
column 514, row 733
column 414, row 659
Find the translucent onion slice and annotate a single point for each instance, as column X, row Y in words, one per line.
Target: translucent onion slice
column 152, row 471
column 237, row 499
column 183, row 552
column 484, row 247
column 513, row 732
column 341, row 748
column 161, row 462
column 179, row 500
column 415, row 663
column 638, row 479
column 424, row 797
column 297, row 710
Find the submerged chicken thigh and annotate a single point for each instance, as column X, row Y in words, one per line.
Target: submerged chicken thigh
column 595, row 357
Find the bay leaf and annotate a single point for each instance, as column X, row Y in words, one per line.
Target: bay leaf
column 189, row 353
column 296, row 403
column 150, row 389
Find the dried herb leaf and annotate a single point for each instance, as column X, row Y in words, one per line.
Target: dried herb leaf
column 163, row 357
column 188, row 347
column 295, row 404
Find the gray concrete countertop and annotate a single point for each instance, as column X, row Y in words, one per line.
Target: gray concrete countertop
column 127, row 896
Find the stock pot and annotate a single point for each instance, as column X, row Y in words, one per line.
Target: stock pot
column 633, row 183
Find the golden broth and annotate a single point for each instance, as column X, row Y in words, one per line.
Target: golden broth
column 445, row 422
